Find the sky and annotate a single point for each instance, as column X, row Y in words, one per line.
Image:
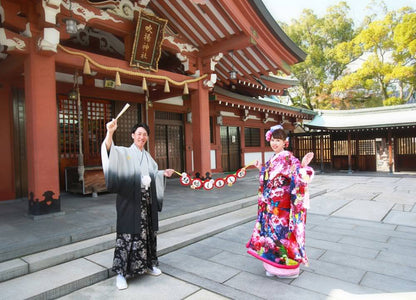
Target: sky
column 286, row 10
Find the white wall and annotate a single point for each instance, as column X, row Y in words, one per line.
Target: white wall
column 250, row 157
column 213, row 161
column 267, row 155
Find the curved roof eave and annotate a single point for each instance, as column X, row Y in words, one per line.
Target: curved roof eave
column 230, row 94
column 280, row 80
column 277, row 31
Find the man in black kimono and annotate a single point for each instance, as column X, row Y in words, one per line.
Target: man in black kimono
column 133, row 174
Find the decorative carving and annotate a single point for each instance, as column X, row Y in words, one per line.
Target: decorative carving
column 211, row 82
column 121, row 8
column 46, row 206
column 182, row 47
column 215, row 60
column 86, row 14
column 50, row 40
column 107, row 41
column 184, row 60
column 2, row 16
column 51, row 9
column 27, row 33
column 13, row 43
column 2, row 55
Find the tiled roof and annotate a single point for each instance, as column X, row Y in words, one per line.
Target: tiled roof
column 378, row 117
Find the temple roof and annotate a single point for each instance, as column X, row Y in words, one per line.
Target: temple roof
column 261, row 104
column 378, row 117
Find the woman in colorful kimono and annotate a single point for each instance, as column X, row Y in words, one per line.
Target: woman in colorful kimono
column 278, row 237
column 133, row 174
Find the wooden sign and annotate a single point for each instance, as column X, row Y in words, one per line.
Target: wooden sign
column 147, row 42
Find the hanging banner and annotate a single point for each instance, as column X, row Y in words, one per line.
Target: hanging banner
column 209, row 184
column 147, row 42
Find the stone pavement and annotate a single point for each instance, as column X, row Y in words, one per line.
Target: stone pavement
column 360, row 239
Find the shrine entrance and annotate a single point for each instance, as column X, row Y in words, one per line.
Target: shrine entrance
column 230, row 144
column 169, row 141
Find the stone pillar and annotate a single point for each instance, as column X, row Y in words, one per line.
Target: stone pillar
column 41, row 134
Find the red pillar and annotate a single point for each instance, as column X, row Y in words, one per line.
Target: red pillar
column 200, row 130
column 41, row 134
column 7, row 187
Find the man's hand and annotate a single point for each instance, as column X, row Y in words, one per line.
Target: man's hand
column 168, row 172
column 112, row 126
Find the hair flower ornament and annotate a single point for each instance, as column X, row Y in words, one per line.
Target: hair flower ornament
column 270, row 131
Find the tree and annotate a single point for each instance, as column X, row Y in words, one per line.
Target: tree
column 318, row 37
column 388, row 72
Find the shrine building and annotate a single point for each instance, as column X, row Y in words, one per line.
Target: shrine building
column 200, row 73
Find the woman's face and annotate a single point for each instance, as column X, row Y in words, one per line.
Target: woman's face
column 140, row 137
column 277, row 144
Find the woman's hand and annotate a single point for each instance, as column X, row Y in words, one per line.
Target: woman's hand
column 257, row 164
column 307, row 159
column 168, row 172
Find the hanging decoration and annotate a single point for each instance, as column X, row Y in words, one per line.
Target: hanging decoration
column 87, row 68
column 144, row 76
column 209, row 184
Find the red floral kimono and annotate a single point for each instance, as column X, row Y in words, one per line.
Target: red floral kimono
column 279, row 231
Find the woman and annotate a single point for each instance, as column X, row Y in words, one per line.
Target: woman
column 133, row 174
column 278, row 237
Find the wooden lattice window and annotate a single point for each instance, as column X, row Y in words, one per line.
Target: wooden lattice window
column 252, row 137
column 341, row 148
column 304, row 146
column 326, row 148
column 130, row 118
column 367, row 147
column 95, row 114
column 406, row 145
column 98, row 114
column 68, row 128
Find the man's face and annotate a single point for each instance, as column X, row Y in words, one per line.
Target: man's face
column 140, row 137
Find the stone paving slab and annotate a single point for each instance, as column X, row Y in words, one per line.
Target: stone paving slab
column 142, row 287
column 270, row 288
column 337, row 233
column 325, row 284
column 200, row 267
column 205, row 295
column 401, row 218
column 326, row 205
column 370, row 265
column 338, row 294
column 388, row 283
column 364, row 210
column 333, row 270
column 350, row 241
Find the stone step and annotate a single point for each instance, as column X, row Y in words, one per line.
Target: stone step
column 62, row 270
column 70, row 276
column 58, row 255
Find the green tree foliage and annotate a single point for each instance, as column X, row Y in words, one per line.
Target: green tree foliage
column 373, row 65
column 318, row 37
column 388, row 71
